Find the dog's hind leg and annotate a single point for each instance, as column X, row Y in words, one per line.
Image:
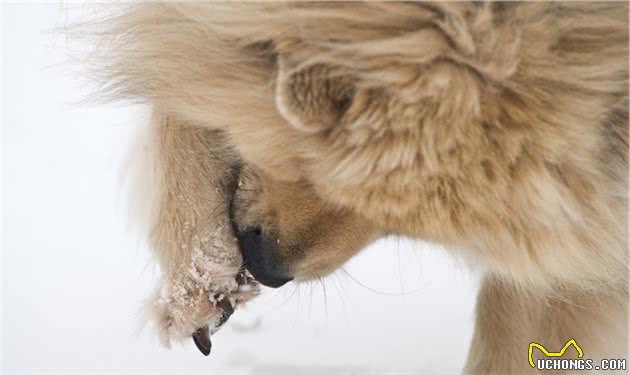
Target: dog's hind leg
column 510, row 317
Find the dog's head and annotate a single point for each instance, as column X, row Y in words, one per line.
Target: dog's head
column 334, row 163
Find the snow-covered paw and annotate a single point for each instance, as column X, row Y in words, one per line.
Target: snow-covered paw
column 182, row 308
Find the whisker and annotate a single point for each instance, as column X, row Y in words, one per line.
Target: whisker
column 323, row 284
column 372, row 289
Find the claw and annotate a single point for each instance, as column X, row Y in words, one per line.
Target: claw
column 228, row 310
column 201, row 338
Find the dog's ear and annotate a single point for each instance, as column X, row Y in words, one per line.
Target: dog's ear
column 313, row 97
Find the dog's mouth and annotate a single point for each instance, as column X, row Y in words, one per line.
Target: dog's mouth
column 258, row 247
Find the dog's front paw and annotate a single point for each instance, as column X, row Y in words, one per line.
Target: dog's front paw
column 195, row 304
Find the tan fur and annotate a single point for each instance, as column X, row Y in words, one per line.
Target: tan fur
column 496, row 129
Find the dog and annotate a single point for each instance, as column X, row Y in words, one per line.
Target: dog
column 499, row 130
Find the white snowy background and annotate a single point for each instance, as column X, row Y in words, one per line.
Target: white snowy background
column 75, row 272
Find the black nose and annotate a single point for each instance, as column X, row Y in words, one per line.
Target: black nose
column 260, row 257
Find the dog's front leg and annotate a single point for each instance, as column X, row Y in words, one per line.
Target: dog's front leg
column 191, row 235
column 510, row 317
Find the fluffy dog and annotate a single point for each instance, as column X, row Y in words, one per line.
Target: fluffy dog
column 499, row 130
